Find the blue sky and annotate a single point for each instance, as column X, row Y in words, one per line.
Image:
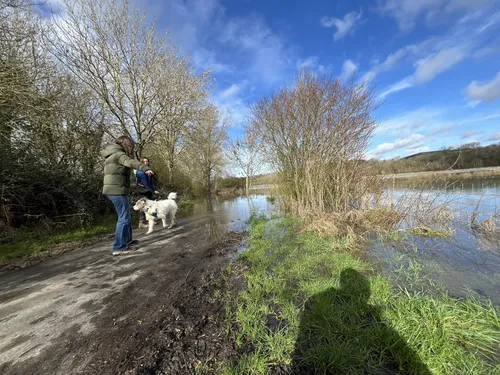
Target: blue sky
column 435, row 63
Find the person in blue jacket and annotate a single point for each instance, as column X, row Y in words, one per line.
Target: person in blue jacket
column 145, row 189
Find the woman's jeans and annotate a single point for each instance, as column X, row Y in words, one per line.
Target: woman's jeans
column 124, row 224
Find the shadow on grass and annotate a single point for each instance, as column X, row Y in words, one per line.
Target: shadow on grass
column 341, row 333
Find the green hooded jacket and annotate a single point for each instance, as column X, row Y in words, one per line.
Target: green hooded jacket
column 117, row 166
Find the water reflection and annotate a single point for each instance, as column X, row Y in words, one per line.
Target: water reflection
column 220, row 215
column 467, row 260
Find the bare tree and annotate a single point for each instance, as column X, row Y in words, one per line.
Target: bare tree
column 315, row 135
column 51, row 127
column 24, row 69
column 123, row 60
column 203, row 152
column 183, row 99
column 246, row 155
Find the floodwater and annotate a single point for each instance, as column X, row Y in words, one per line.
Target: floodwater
column 468, row 260
column 222, row 215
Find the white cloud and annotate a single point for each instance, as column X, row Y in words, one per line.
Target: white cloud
column 494, row 137
column 408, row 12
column 207, row 60
column 487, row 92
column 490, row 22
column 187, row 20
column 473, row 103
column 470, row 133
column 398, row 86
column 472, row 36
column 479, row 118
column 425, row 119
column 348, row 69
column 308, row 63
column 431, row 66
column 234, row 99
column 311, row 64
column 233, row 90
column 428, row 68
column 445, row 128
column 345, row 26
column 268, row 56
column 390, row 62
column 408, row 144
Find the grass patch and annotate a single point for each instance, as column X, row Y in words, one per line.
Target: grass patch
column 429, row 232
column 26, row 242
column 312, row 307
column 186, row 204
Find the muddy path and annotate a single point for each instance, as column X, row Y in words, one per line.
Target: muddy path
column 152, row 312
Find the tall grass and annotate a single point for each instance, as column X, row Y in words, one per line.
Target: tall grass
column 311, row 307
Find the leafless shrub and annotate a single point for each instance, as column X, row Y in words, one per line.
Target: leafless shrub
column 490, row 227
column 315, row 134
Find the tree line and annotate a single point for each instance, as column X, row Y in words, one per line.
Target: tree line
column 470, row 155
column 76, row 79
column 97, row 69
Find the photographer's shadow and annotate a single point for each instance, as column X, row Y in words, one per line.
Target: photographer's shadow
column 341, row 333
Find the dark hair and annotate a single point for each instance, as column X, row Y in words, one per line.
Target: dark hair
column 145, row 157
column 127, row 143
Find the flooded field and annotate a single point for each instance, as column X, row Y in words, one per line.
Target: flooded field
column 468, row 260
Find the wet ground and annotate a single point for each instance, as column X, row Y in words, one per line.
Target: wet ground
column 152, row 312
column 156, row 311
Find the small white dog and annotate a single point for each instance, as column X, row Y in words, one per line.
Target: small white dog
column 158, row 210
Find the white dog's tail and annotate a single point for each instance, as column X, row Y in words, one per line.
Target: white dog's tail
column 172, row 196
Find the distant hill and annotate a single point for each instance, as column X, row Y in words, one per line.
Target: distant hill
column 468, row 156
column 428, row 154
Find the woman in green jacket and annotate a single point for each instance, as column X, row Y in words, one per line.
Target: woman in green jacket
column 118, row 162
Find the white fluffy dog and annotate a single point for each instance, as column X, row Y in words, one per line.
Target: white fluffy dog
column 158, row 210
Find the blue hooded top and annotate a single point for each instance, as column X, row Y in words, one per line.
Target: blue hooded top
column 145, row 180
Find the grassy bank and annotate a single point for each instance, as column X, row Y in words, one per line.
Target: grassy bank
column 28, row 242
column 36, row 241
column 311, row 307
column 186, row 204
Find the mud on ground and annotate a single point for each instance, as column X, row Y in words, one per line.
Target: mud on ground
column 167, row 321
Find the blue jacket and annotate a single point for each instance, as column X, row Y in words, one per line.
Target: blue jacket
column 145, row 180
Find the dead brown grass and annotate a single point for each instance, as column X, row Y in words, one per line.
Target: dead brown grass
column 489, row 226
column 351, row 223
